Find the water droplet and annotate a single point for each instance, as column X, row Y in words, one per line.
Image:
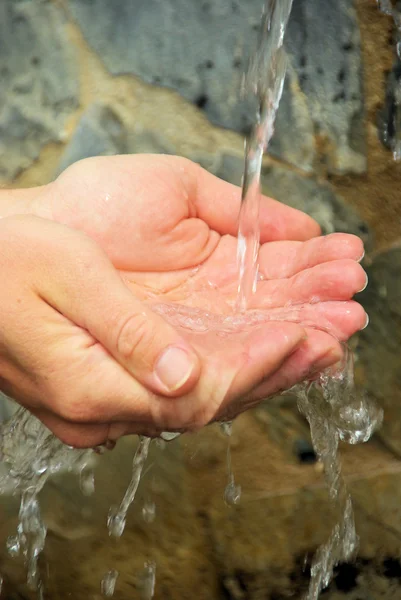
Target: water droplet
column 116, row 522
column 108, row 583
column 232, row 494
column 87, row 482
column 13, row 546
column 148, row 581
column 169, row 436
column 149, row 511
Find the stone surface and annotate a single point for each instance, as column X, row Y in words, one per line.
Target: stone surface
column 39, row 87
column 201, row 49
column 98, row 133
column 316, row 198
column 101, row 132
column 379, row 347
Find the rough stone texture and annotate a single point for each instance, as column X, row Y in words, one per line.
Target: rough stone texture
column 201, row 49
column 379, row 348
column 98, row 133
column 315, row 198
column 39, row 86
column 101, row 132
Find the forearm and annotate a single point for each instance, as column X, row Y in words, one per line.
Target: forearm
column 19, row 201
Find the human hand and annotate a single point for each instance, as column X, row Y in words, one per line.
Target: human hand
column 141, row 211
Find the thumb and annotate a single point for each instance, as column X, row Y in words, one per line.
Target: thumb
column 81, row 283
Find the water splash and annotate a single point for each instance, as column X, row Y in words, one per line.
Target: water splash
column 118, row 515
column 336, row 412
column 31, row 454
column 265, row 81
column 232, row 493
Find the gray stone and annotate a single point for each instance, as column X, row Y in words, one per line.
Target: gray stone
column 304, row 193
column 39, row 87
column 99, row 133
column 201, row 49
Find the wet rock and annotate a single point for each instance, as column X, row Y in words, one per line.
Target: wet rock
column 39, row 87
column 378, row 351
column 201, row 49
column 324, row 41
column 388, row 117
column 304, row 193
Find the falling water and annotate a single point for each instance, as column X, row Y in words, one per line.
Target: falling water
column 232, row 493
column 118, row 516
column 265, row 81
column 335, row 411
column 148, row 581
column 108, row 583
column 32, row 454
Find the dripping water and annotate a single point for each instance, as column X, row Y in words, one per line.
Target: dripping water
column 148, row 581
column 232, row 493
column 108, row 583
column 118, row 515
column 336, row 412
column 31, row 454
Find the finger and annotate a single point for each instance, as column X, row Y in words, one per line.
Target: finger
column 218, row 203
column 335, row 280
column 318, row 352
column 58, row 367
column 268, row 350
column 278, row 260
column 340, row 319
column 74, row 276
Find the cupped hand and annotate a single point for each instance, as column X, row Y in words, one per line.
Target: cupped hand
column 168, row 228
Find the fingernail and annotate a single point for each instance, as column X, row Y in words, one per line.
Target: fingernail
column 366, row 322
column 365, row 285
column 174, row 368
column 360, row 259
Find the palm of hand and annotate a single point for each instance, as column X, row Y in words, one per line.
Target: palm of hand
column 170, row 229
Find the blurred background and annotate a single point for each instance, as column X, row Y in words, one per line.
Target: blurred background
column 80, row 78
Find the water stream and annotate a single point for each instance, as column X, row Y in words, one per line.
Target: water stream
column 265, row 81
column 232, row 493
column 118, row 516
column 336, row 412
column 330, row 404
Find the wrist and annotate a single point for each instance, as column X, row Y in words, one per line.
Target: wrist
column 19, row 201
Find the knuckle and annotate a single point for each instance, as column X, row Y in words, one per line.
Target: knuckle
column 135, row 338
